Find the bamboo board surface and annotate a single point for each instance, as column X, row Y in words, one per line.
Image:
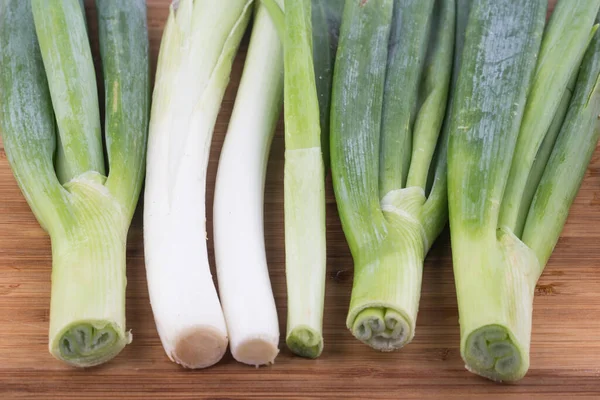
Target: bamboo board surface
column 565, row 350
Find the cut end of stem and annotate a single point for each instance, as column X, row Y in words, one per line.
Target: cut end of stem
column 199, row 347
column 382, row 328
column 305, row 342
column 256, row 351
column 86, row 344
column 491, row 352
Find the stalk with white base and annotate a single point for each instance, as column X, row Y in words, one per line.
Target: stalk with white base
column 200, row 41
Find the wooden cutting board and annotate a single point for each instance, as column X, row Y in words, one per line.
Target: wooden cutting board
column 565, row 349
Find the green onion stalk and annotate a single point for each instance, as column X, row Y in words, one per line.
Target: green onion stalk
column 50, row 122
column 390, row 92
column 522, row 135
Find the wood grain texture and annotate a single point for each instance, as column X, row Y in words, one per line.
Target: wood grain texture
column 566, row 333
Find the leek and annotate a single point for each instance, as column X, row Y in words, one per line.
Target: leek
column 391, row 82
column 304, row 187
column 311, row 42
column 511, row 101
column 47, row 73
column 310, row 32
column 241, row 261
column 198, row 46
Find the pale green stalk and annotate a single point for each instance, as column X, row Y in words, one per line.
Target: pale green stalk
column 310, row 32
column 379, row 78
column 506, row 111
column 304, row 186
column 492, row 291
column 88, row 217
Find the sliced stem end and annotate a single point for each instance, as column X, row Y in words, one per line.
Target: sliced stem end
column 199, row 347
column 86, row 344
column 491, row 352
column 256, row 351
column 383, row 328
column 305, row 342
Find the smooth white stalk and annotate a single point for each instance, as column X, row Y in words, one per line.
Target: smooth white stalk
column 199, row 44
column 242, row 272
